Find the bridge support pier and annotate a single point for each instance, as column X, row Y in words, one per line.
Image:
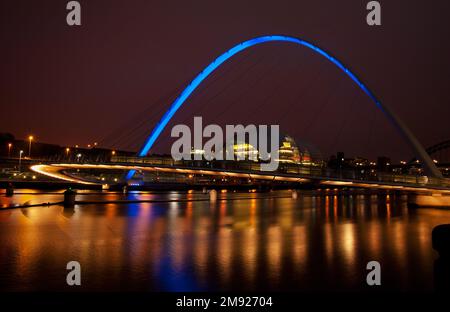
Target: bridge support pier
column 69, row 198
column 9, row 190
column 382, row 198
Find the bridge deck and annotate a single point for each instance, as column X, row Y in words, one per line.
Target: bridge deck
column 396, row 182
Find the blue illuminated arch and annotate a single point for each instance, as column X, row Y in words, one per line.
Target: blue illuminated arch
column 420, row 151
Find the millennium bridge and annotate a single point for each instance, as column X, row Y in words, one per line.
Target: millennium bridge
column 133, row 169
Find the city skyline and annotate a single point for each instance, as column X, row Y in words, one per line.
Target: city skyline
column 210, row 154
column 139, row 75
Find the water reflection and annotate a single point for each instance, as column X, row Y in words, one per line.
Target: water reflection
column 314, row 242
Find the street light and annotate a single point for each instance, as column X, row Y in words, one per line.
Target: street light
column 30, row 138
column 9, row 149
column 67, row 151
column 113, row 153
column 20, row 159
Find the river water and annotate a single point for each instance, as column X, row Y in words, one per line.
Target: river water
column 243, row 241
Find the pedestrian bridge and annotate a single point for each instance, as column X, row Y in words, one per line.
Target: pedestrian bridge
column 101, row 174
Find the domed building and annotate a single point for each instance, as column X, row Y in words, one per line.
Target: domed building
column 292, row 152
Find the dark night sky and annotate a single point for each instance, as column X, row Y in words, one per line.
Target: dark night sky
column 109, row 79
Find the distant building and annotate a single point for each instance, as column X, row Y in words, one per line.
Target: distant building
column 289, row 152
column 359, row 162
column 297, row 153
column 244, row 150
column 383, row 164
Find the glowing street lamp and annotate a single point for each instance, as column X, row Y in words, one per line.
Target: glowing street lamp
column 30, row 138
column 9, row 149
column 20, row 159
column 67, row 151
column 113, row 153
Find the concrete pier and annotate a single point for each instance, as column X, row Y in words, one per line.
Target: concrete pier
column 69, row 198
column 9, row 190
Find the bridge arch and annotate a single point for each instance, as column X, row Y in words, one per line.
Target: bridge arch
column 444, row 145
column 420, row 152
column 435, row 151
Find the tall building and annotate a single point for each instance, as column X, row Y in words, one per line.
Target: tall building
column 293, row 153
column 288, row 152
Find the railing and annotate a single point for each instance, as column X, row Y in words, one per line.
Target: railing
column 311, row 171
